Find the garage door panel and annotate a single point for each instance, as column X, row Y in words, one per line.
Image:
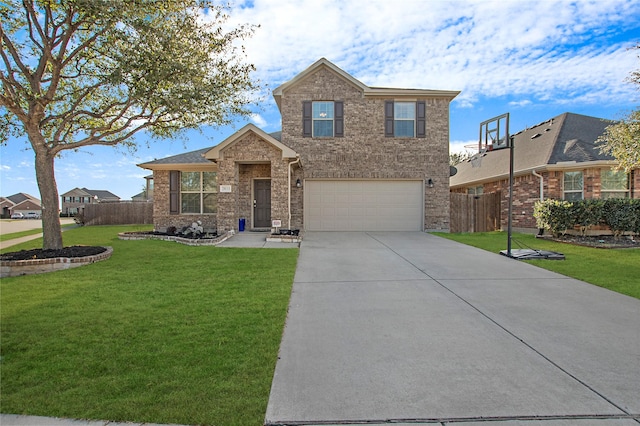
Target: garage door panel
column 363, row 205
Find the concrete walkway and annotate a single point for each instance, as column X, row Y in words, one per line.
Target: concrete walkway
column 410, row 328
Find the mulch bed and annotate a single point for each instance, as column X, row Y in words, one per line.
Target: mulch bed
column 598, row 241
column 71, row 251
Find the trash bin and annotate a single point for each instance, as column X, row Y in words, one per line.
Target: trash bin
column 241, row 224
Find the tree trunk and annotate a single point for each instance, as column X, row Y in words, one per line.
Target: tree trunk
column 45, row 175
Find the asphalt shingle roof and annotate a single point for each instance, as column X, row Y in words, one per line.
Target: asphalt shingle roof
column 566, row 138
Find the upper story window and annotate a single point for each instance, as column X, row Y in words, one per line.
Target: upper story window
column 323, row 119
column 405, row 119
column 198, row 192
column 614, row 184
column 573, row 186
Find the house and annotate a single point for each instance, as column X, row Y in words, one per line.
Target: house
column 348, row 157
column 74, row 201
column 19, row 203
column 557, row 159
column 147, row 194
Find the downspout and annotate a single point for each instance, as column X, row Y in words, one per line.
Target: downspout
column 297, row 160
column 541, row 184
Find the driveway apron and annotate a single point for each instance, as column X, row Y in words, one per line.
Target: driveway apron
column 410, row 328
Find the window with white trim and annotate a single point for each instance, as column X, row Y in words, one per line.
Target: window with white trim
column 198, row 192
column 573, row 186
column 614, row 184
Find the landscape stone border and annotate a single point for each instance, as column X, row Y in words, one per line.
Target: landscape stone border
column 132, row 236
column 14, row 268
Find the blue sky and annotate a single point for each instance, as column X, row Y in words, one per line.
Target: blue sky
column 533, row 59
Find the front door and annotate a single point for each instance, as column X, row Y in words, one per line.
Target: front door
column 262, row 203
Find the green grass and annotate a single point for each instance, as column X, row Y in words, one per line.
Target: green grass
column 161, row 333
column 615, row 269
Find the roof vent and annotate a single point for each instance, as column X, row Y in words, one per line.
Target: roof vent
column 537, row 135
column 547, row 129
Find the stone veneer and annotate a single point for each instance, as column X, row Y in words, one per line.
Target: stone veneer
column 364, row 152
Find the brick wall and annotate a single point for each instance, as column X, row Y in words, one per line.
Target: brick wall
column 364, row 152
column 526, row 192
column 161, row 217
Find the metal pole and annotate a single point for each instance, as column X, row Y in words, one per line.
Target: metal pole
column 510, row 139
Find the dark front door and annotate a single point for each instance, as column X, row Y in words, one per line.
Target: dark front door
column 262, row 203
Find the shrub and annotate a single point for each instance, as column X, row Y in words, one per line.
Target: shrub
column 587, row 213
column 554, row 215
column 620, row 214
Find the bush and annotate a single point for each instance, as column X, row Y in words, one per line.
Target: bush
column 620, row 214
column 554, row 215
column 587, row 213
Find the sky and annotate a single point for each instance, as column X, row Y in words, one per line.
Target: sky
column 532, row 59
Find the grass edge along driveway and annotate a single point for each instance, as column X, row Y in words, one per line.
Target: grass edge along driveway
column 159, row 333
column 614, row 269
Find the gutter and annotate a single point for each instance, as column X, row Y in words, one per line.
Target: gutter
column 297, row 160
column 533, row 172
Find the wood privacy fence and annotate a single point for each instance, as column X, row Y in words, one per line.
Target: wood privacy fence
column 475, row 213
column 122, row 213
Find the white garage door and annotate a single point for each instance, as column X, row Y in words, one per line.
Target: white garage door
column 363, row 205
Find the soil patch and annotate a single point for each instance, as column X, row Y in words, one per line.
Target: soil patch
column 598, row 241
column 68, row 252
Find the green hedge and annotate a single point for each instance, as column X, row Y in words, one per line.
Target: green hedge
column 620, row 214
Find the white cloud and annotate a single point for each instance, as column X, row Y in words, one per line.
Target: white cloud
column 546, row 50
column 5, row 168
column 258, row 120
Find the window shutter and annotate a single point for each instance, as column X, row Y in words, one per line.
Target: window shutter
column 388, row 119
column 174, row 192
column 421, row 119
column 338, row 114
column 306, row 119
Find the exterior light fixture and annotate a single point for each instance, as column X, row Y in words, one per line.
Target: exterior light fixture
column 298, row 183
column 430, row 183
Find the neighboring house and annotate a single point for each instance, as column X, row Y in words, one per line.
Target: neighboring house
column 76, row 199
column 20, row 203
column 147, row 194
column 349, row 157
column 556, row 159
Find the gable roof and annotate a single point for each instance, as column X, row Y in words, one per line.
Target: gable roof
column 180, row 161
column 101, row 194
column 565, row 141
column 20, row 197
column 367, row 91
column 215, row 153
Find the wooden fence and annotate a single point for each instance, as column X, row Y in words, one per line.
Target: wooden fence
column 475, row 213
column 122, row 213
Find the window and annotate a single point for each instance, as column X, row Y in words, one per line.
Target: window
column 405, row 119
column 573, row 186
column 615, row 184
column 198, row 192
column 322, row 119
column 475, row 190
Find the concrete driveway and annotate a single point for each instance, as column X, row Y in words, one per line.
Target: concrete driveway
column 409, row 328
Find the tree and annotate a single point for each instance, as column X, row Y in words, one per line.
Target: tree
column 456, row 158
column 76, row 73
column 622, row 140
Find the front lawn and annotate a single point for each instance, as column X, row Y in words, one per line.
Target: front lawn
column 160, row 333
column 615, row 269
